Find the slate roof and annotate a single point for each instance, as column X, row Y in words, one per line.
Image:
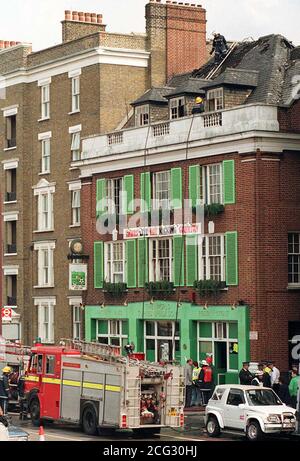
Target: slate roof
column 268, row 65
column 155, row 95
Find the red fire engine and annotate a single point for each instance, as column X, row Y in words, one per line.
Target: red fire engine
column 92, row 385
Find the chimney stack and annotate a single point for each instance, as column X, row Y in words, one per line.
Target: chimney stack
column 8, row 44
column 79, row 24
column 176, row 34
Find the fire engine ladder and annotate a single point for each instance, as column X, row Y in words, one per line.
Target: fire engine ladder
column 213, row 72
column 102, row 351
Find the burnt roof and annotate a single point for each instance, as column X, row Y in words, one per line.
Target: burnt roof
column 236, row 77
column 192, row 86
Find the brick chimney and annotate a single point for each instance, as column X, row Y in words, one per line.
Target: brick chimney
column 79, row 24
column 176, row 34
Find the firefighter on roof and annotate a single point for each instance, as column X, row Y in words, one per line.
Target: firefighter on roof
column 220, row 47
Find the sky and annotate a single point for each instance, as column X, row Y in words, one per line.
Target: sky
column 38, row 21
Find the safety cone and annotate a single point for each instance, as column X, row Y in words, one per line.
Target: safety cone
column 41, row 434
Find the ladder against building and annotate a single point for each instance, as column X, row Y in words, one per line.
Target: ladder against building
column 215, row 69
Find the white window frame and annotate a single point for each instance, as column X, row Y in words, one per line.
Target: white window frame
column 43, row 248
column 214, row 338
column 109, row 262
column 294, row 255
column 205, row 256
column 76, row 207
column 158, row 202
column 110, row 190
column 206, row 181
column 45, row 101
column 75, row 82
column 175, row 103
column 111, row 335
column 44, row 188
column 75, row 146
column 154, row 266
column 76, row 321
column 157, row 338
column 142, row 115
column 216, row 95
column 46, row 156
column 45, row 305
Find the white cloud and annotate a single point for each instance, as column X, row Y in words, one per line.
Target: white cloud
column 38, row 21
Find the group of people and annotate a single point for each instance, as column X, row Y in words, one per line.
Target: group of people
column 268, row 375
column 199, row 382
column 11, row 387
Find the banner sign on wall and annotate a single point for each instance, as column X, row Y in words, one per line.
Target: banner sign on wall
column 78, row 277
column 163, row 231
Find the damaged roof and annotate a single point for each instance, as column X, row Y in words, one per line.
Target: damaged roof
column 269, row 66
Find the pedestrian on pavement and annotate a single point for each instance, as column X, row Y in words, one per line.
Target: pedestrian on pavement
column 258, row 379
column 206, row 381
column 188, row 383
column 196, row 395
column 4, row 389
column 283, row 391
column 275, row 375
column 245, row 375
column 266, row 374
column 293, row 388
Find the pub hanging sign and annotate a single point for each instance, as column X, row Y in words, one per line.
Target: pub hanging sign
column 78, row 277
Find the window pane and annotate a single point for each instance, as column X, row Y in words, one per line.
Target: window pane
column 50, row 364
column 164, row 329
column 150, row 328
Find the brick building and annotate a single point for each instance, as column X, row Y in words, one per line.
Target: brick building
column 54, row 97
column 227, row 283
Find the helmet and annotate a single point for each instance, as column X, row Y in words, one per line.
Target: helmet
column 204, row 362
column 6, row 370
column 199, row 100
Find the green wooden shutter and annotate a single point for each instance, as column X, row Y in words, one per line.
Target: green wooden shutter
column 145, row 191
column 176, row 187
column 232, row 258
column 98, row 265
column 191, row 243
column 100, row 196
column 128, row 195
column 195, row 180
column 229, row 181
column 143, row 261
column 178, row 260
column 131, row 263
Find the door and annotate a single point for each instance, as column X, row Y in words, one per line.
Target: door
column 234, row 416
column 220, row 362
column 51, row 386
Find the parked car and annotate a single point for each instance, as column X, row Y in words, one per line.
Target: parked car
column 252, row 410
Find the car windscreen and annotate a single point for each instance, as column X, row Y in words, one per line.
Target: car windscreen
column 262, row 397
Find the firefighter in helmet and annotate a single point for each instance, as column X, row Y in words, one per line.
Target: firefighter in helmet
column 4, row 388
column 220, row 47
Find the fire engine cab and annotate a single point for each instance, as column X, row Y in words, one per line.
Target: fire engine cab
column 92, row 385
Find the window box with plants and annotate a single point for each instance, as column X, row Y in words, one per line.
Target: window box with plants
column 160, row 289
column 208, row 287
column 116, row 290
column 211, row 210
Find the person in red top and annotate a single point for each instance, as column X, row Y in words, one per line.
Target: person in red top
column 206, row 379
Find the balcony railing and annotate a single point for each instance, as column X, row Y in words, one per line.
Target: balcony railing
column 10, row 196
column 240, row 119
column 11, row 301
column 11, row 248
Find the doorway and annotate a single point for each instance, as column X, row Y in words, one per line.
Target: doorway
column 220, row 362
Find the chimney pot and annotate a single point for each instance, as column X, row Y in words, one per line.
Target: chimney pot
column 6, row 44
column 81, row 16
column 68, row 15
column 87, row 17
column 75, row 16
column 12, row 43
column 1, row 43
column 99, row 18
column 94, row 17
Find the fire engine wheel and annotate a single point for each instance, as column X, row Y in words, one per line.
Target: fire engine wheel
column 147, row 432
column 89, row 421
column 34, row 410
